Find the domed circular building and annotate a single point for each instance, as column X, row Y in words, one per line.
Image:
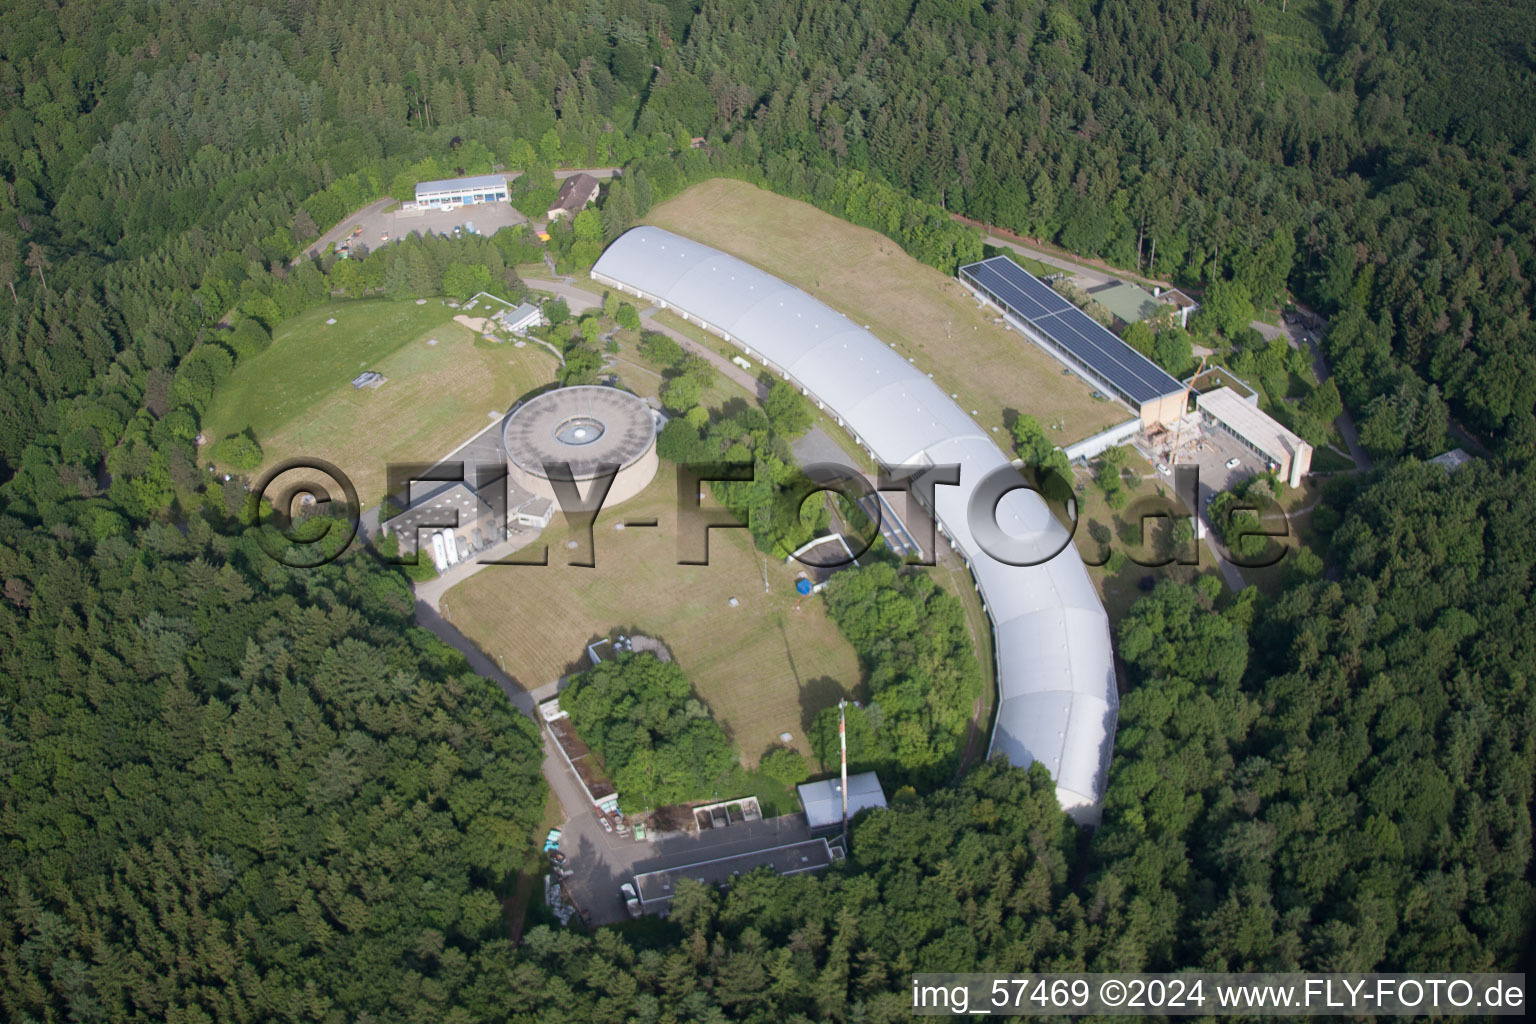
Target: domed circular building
column 588, row 427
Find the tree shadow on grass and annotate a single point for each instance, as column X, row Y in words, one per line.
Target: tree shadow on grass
column 816, row 695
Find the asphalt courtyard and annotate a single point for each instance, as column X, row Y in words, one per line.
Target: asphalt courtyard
column 381, row 226
column 383, row 218
column 601, row 861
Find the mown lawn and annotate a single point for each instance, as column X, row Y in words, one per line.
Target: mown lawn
column 297, row 396
column 763, row 667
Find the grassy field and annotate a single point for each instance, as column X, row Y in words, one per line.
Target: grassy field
column 1326, row 460
column 929, row 317
column 762, row 667
column 298, row 398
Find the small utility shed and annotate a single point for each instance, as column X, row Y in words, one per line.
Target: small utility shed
column 823, row 801
column 523, row 317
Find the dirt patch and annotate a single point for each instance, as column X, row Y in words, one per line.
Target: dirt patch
column 652, row 645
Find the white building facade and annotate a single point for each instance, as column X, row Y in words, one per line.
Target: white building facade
column 452, row 192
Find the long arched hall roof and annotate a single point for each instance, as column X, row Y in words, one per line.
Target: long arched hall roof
column 1055, row 669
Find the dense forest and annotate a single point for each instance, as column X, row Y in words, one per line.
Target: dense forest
column 236, row 791
column 657, row 740
column 920, row 668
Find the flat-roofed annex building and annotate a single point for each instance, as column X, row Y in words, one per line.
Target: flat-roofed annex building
column 1077, row 340
column 1287, row 454
column 1055, row 665
column 1128, row 303
column 656, row 888
column 482, row 188
column 456, row 513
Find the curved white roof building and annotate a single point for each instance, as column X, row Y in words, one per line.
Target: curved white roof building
column 1055, row 669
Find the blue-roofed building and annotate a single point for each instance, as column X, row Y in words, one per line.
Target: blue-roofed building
column 1078, row 341
column 482, row 188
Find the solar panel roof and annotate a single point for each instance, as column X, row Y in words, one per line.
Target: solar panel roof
column 1030, row 299
column 1028, row 295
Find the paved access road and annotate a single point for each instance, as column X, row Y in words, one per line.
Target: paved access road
column 601, row 860
column 367, row 215
column 1085, row 276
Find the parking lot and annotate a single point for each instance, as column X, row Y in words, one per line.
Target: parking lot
column 489, row 218
column 1210, row 453
column 380, row 227
column 601, row 860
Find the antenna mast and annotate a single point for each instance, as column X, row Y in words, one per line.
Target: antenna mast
column 842, row 742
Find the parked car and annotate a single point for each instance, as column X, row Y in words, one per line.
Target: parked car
column 1162, row 467
column 1233, row 463
column 631, row 900
column 606, row 827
